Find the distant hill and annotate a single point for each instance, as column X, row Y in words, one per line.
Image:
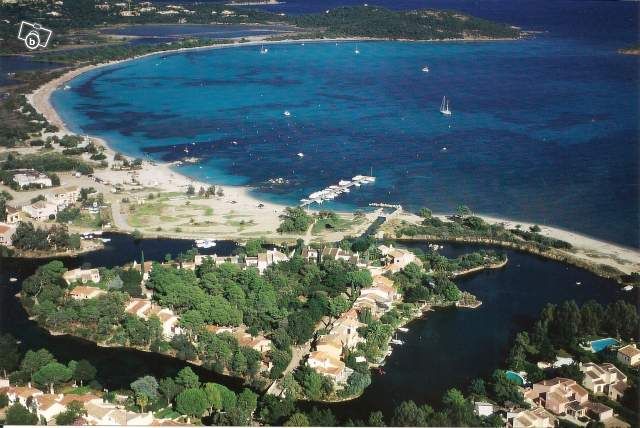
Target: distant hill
column 378, row 22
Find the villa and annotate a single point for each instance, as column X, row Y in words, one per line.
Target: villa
column 6, row 234
column 258, row 343
column 82, row 292
column 598, row 411
column 329, row 365
column 330, row 344
column 396, row 259
column 138, row 307
column 30, row 177
column 481, row 408
column 49, row 406
column 604, row 379
column 100, row 413
column 334, row 253
column 261, row 262
column 629, row 355
column 168, row 319
column 41, row 210
column 310, row 254
column 537, row 417
column 64, row 197
column 559, row 395
column 81, row 275
column 20, row 394
column 13, row 215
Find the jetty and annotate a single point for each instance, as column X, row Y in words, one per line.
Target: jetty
column 333, row 191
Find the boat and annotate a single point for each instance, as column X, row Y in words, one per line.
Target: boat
column 397, row 342
column 403, row 329
column 13, row 279
column 205, row 243
column 578, row 283
column 444, row 149
column 444, row 107
column 425, row 68
column 105, row 240
column 67, row 87
column 357, row 51
column 287, row 113
column 300, row 155
column 263, row 50
column 627, row 288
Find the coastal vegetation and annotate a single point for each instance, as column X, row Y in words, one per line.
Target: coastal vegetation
column 378, row 22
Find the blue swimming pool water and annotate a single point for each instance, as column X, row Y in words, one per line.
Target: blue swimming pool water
column 515, row 377
column 602, row 344
column 544, row 129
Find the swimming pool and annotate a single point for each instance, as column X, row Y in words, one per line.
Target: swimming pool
column 602, row 344
column 515, row 377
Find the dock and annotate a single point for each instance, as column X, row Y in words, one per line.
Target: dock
column 333, row 191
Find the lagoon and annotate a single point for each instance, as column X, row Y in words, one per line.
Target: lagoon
column 447, row 348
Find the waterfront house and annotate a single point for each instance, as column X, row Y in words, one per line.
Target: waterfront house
column 330, row 344
column 13, row 215
column 168, row 319
column 536, row 417
column 629, row 355
column 81, row 275
column 257, row 343
column 6, row 234
column 41, row 210
column 30, row 177
column 218, row 329
column 604, row 379
column 138, row 307
column 559, row 395
column 396, row 259
column 83, row 292
column 345, row 329
column 100, row 413
column 64, row 197
column 329, row 365
column 20, row 394
column 334, row 253
column 144, row 270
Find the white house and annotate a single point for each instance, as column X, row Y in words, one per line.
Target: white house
column 396, row 259
column 537, row 417
column 13, row 215
column 168, row 319
column 20, row 394
column 48, row 406
column 81, row 275
column 629, row 355
column 64, row 197
column 482, row 408
column 27, row 178
column 41, row 210
column 604, row 379
column 329, row 365
column 138, row 307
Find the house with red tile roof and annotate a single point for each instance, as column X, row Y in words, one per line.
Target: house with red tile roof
column 604, row 379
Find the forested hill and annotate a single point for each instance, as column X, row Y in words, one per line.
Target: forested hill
column 378, row 22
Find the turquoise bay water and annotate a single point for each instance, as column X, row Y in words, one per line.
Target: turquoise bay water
column 544, row 130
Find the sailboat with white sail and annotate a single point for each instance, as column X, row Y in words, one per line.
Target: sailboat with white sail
column 263, row 50
column 444, row 107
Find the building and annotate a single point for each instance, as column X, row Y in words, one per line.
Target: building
column 20, row 394
column 257, row 343
column 138, row 307
column 598, row 411
column 629, row 355
column 41, row 210
column 330, row 344
column 30, row 177
column 6, row 234
column 396, row 259
column 334, row 253
column 310, row 254
column 168, row 319
column 346, row 328
column 64, row 197
column 534, row 418
column 100, row 413
column 13, row 215
column 559, row 395
column 81, row 275
column 48, row 406
column 481, row 408
column 604, row 379
column 329, row 365
column 82, row 292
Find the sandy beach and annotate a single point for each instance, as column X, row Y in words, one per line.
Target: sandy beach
column 238, row 213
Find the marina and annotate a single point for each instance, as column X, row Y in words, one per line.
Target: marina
column 333, row 191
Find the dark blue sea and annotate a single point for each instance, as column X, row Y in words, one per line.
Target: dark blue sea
column 543, row 129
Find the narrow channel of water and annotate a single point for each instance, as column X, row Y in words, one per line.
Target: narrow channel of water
column 445, row 349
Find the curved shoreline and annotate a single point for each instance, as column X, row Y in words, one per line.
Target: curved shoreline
column 624, row 259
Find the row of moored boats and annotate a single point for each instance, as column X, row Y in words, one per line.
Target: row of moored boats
column 334, row 191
